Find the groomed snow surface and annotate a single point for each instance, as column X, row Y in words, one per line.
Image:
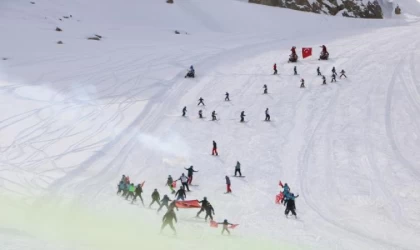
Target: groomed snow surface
column 75, row 117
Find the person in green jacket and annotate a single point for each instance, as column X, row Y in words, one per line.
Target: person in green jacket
column 131, row 189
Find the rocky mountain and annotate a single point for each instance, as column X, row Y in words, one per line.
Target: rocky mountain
column 347, row 8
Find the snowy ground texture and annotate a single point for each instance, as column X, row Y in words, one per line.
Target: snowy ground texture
column 75, row 117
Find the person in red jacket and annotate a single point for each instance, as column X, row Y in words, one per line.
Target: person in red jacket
column 275, row 69
column 324, row 49
column 293, row 50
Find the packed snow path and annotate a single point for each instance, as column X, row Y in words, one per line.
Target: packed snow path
column 349, row 149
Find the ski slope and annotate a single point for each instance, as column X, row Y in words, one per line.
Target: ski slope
column 75, row 117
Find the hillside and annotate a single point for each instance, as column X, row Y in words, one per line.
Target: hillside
column 76, row 116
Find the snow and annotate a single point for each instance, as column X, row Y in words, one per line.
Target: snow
column 75, row 117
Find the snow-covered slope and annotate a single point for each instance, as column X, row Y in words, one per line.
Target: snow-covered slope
column 76, row 116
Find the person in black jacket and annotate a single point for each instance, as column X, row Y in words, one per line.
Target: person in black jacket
column 213, row 116
column 137, row 193
column 204, row 204
column 318, row 71
column 324, row 80
column 333, row 78
column 295, row 70
column 333, row 71
column 302, row 83
column 243, row 116
column 191, row 171
column 168, row 219
column 267, row 115
column 238, row 168
column 200, row 114
column 200, row 101
column 155, row 198
column 164, row 202
column 265, row 89
column 227, row 97
column 214, row 151
column 180, row 194
column 209, row 212
column 184, row 111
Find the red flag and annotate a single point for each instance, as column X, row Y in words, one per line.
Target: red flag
column 142, row 184
column 279, row 197
column 188, row 204
column 280, row 184
column 306, row 52
column 213, row 224
column 233, row 226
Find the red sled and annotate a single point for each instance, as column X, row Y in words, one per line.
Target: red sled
column 188, row 204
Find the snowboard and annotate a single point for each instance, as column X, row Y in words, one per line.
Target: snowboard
column 238, row 176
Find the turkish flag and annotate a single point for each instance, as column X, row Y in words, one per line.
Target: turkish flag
column 188, row 204
column 213, row 224
column 306, row 52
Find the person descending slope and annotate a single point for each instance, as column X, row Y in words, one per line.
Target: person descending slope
column 238, row 168
column 191, row 72
column 295, row 70
column 168, row 219
column 289, row 202
column 191, row 172
column 342, row 73
column 225, row 224
column 184, row 181
column 275, row 69
column 324, row 80
column 155, row 198
column 184, row 111
column 164, row 202
column 318, row 71
column 170, row 184
column 227, row 97
column 121, row 187
column 302, row 83
column 213, row 116
column 333, row 71
column 228, row 190
column 138, row 191
column 200, row 101
column 267, row 115
column 200, row 114
column 131, row 189
column 204, row 204
column 180, row 194
column 209, row 212
column 242, row 116
column 265, row 89
column 214, row 151
column 333, row 78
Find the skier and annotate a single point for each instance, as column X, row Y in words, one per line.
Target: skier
column 318, row 71
column 191, row 72
column 168, row 219
column 213, row 116
column 243, row 116
column 121, row 187
column 295, row 70
column 302, row 83
column 228, row 190
column 173, row 205
column 324, row 80
column 293, row 50
column 191, row 171
column 138, row 191
column 267, row 115
column 265, row 89
column 184, row 111
column 170, row 183
column 164, row 202
column 155, row 198
column 201, row 101
column 204, row 204
column 209, row 212
column 342, row 73
column 184, row 181
column 275, row 69
column 200, row 114
column 333, row 71
column 227, row 97
column 125, row 189
column 214, row 151
column 289, row 202
column 180, row 194
column 225, row 224
column 131, row 189
column 238, row 168
column 123, row 178
column 333, row 78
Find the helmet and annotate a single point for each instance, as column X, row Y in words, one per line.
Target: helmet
column 155, row 189
column 224, row 220
column 293, row 47
column 205, row 198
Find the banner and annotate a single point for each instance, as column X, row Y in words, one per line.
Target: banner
column 188, row 204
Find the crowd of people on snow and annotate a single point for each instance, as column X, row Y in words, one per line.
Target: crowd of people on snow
column 129, row 190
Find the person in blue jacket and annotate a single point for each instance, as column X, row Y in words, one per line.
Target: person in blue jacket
column 121, row 187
